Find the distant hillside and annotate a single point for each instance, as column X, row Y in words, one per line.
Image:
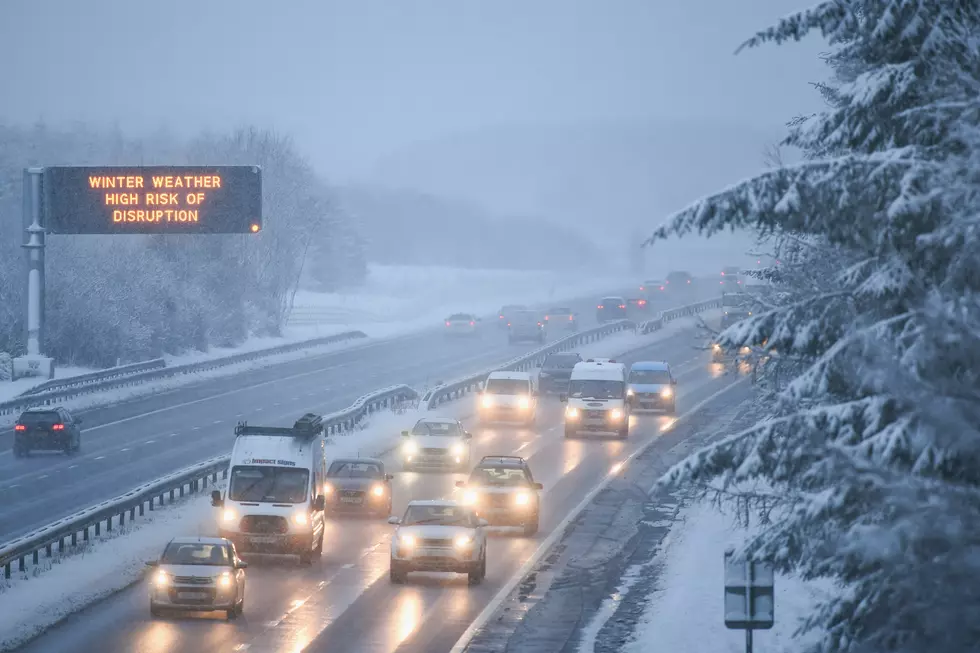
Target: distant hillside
column 604, row 174
column 412, row 228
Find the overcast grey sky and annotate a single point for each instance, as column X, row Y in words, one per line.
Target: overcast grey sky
column 354, row 81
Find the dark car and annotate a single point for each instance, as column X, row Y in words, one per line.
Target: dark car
column 556, row 370
column 734, row 315
column 502, row 490
column 653, row 288
column 562, row 318
column 507, row 312
column 638, row 306
column 679, row 283
column 611, row 309
column 358, row 485
column 731, row 279
column 526, row 326
column 47, row 429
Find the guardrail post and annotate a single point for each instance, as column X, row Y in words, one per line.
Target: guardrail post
column 74, row 539
column 6, row 571
column 47, row 550
column 108, row 524
column 98, row 528
column 34, row 556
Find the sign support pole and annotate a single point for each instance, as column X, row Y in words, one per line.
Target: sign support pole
column 749, row 565
column 34, row 363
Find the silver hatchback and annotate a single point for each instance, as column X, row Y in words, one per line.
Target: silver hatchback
column 198, row 574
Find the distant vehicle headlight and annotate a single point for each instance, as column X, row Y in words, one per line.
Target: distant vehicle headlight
column 228, row 515
column 224, row 580
column 716, row 347
column 470, row 497
column 571, row 412
column 407, row 541
column 378, row 490
column 666, row 392
column 616, row 414
column 524, row 403
column 327, row 489
column 630, row 393
column 487, row 402
column 301, row 519
column 161, row 578
column 522, row 498
column 410, row 448
column 463, row 541
column 458, row 449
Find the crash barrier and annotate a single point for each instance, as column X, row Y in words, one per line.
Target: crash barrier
column 112, row 379
column 451, row 391
column 95, row 377
column 304, row 316
column 113, row 513
column 675, row 313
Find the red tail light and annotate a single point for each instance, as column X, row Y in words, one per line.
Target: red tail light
column 508, row 324
column 642, row 302
column 689, row 281
column 571, row 317
column 622, row 305
column 546, row 317
column 600, row 306
column 539, row 324
column 722, row 274
column 642, row 288
column 501, row 317
column 661, row 287
column 472, row 323
column 20, row 427
column 448, row 324
column 58, row 427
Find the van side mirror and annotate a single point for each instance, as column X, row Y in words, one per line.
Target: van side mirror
column 152, row 563
column 460, row 483
column 394, row 520
column 405, row 434
column 467, row 435
column 216, row 499
column 538, row 486
column 673, row 382
column 241, row 564
column 563, row 397
column 482, row 523
column 389, row 477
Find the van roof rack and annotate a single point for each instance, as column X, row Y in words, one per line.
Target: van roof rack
column 306, row 427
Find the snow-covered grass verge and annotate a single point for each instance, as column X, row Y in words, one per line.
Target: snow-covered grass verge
column 686, row 611
column 44, row 595
column 11, row 389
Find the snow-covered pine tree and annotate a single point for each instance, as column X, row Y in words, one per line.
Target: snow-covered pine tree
column 875, row 448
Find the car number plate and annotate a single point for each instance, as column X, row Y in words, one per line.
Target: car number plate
column 192, row 595
column 263, row 539
column 350, row 499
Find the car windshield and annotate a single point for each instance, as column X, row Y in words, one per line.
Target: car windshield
column 649, row 377
column 560, row 311
column 507, row 387
column 498, row 476
column 460, row 317
column 196, row 553
column 561, row 361
column 354, row 469
column 269, row 484
column 438, row 516
column 678, row 277
column 510, row 309
column 524, row 317
column 437, row 428
column 612, row 301
column 595, row 389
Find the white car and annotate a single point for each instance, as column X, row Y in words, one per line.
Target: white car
column 198, row 574
column 439, row 442
column 508, row 397
column 439, row 536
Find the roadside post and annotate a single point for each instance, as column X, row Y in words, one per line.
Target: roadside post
column 749, row 596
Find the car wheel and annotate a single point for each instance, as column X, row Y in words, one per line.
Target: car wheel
column 155, row 611
column 318, row 551
column 78, row 442
column 69, row 447
column 569, row 433
column 531, row 527
column 306, row 558
column 240, row 608
column 624, row 433
column 476, row 576
column 231, row 614
column 397, row 575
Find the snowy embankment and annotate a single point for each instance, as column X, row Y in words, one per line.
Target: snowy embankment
column 686, row 612
column 60, row 586
column 394, row 300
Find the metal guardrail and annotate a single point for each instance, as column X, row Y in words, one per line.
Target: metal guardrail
column 115, row 380
column 95, row 377
column 679, row 312
column 189, row 480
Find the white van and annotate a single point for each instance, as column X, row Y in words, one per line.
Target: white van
column 275, row 498
column 508, row 397
column 597, row 399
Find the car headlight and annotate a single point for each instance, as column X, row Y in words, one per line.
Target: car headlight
column 470, row 497
column 327, row 489
column 630, row 393
column 487, row 402
column 666, row 392
column 616, row 414
column 571, row 411
column 406, row 541
column 522, row 498
column 463, row 541
column 301, row 519
column 378, row 490
column 410, row 448
column 228, row 514
column 161, row 578
column 225, row 580
column 524, row 403
column 458, row 449
column 716, row 347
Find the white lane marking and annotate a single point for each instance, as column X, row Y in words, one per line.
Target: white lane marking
column 72, row 466
column 124, row 449
column 545, row 547
column 172, row 435
column 149, row 442
column 196, row 428
column 42, row 476
column 11, row 487
column 217, row 421
column 349, row 565
column 99, row 457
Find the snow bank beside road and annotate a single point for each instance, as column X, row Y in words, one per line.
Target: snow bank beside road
column 686, row 612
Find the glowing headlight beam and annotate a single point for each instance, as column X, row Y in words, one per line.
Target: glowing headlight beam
column 463, row 541
column 378, row 490
column 410, row 448
column 522, row 498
